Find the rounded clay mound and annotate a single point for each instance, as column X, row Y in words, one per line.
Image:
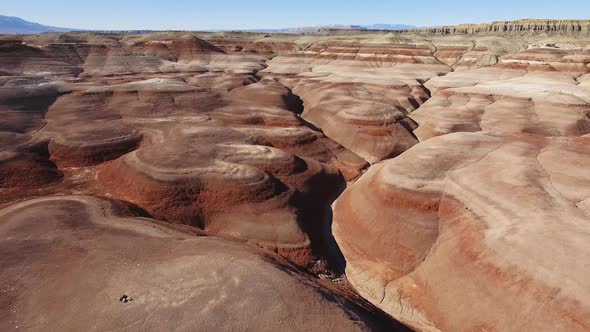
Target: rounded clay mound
column 84, row 263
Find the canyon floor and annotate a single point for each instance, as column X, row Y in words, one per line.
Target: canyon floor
column 342, row 182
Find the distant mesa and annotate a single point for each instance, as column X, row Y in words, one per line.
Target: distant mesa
column 514, row 27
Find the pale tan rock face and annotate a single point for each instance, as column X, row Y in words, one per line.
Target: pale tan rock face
column 79, row 263
column 574, row 27
column 473, row 231
column 535, row 91
column 360, row 95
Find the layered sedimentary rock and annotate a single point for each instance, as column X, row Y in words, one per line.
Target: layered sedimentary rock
column 360, row 95
column 186, row 132
column 262, row 46
column 24, row 163
column 450, row 55
column 535, row 91
column 24, row 159
column 576, row 27
column 24, row 102
column 107, row 55
column 251, row 138
column 17, row 57
column 82, row 263
column 161, row 55
column 191, row 135
column 461, row 58
column 208, row 158
column 473, row 231
column 221, row 180
column 270, row 111
column 84, row 132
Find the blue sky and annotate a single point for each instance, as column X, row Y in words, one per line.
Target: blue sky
column 233, row 14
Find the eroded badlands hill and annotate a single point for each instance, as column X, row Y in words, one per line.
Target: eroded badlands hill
column 541, row 91
column 361, row 95
column 474, row 231
column 191, row 171
column 82, row 263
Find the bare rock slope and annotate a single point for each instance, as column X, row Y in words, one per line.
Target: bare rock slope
column 80, row 263
column 473, row 231
column 175, row 125
column 360, row 95
column 539, row 91
column 465, row 158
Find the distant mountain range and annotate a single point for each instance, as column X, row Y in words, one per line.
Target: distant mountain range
column 301, row 30
column 14, row 25
column 391, row 27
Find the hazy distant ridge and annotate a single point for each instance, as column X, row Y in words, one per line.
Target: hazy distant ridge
column 300, row 30
column 16, row 25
